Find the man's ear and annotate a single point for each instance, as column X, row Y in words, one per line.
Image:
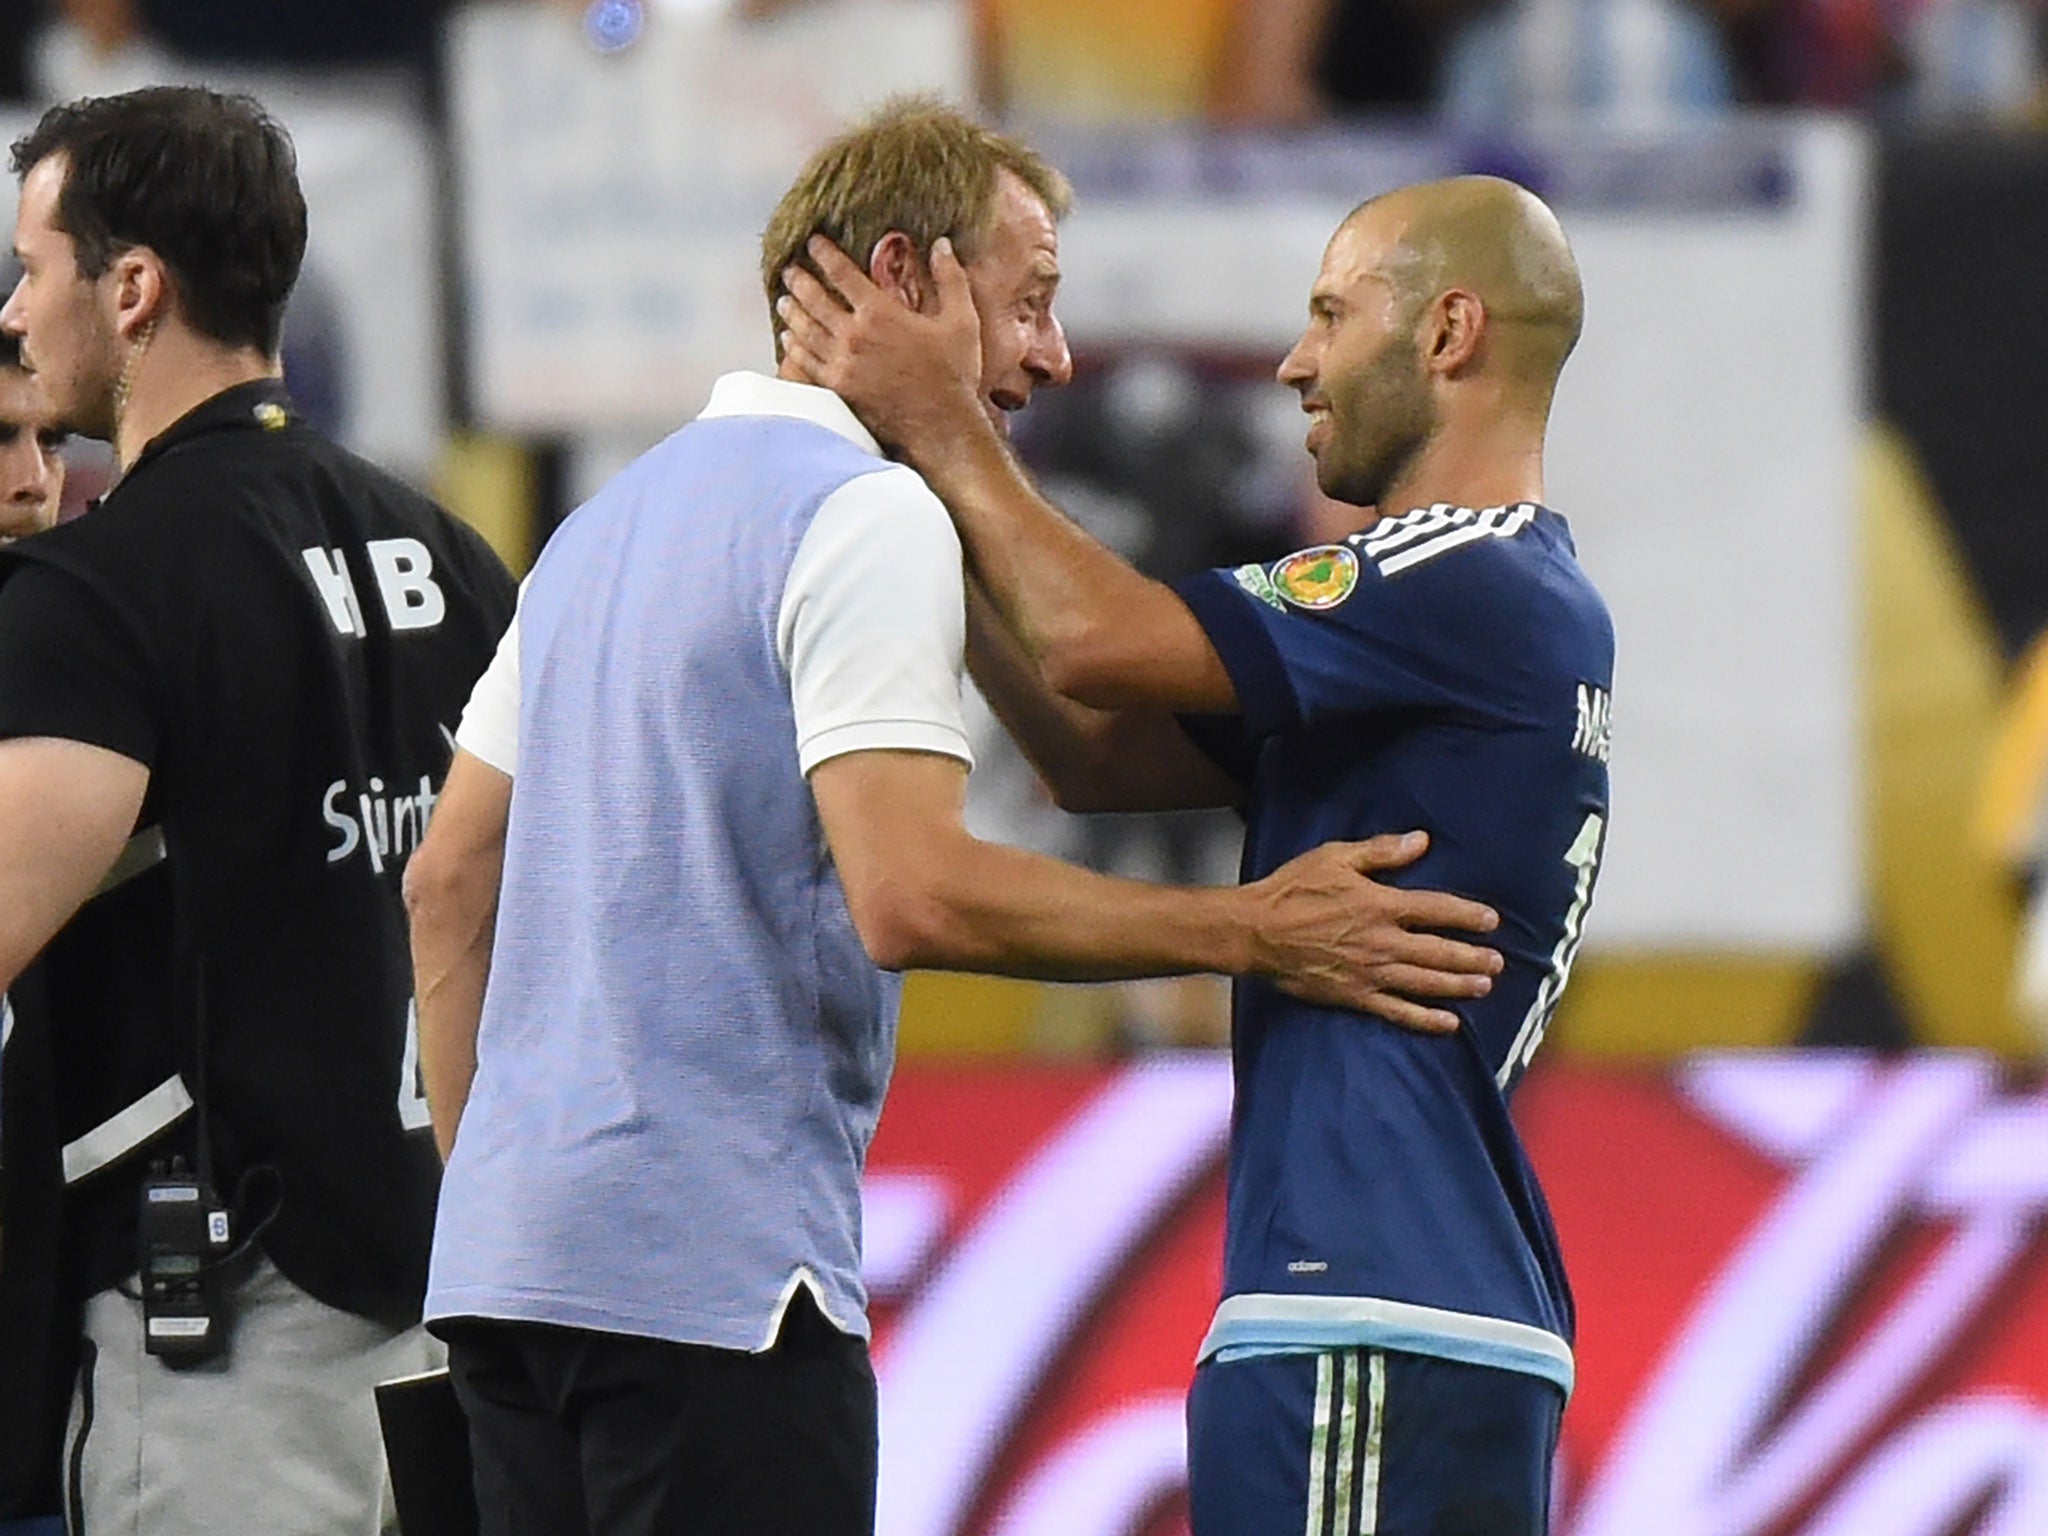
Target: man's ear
column 1453, row 329
column 896, row 267
column 141, row 286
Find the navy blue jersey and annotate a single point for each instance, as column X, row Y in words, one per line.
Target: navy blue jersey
column 1448, row 670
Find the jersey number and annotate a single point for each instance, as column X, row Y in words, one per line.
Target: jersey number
column 1584, row 858
column 412, row 1085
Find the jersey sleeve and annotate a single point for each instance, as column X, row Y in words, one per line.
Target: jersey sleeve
column 1224, row 741
column 490, row 721
column 69, row 668
column 872, row 627
column 1327, row 633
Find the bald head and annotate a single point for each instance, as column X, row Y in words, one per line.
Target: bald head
column 1495, row 240
column 1438, row 325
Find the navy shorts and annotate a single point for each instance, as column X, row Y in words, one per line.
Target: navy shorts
column 1366, row 1442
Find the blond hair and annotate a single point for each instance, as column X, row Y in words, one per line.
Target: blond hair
column 918, row 166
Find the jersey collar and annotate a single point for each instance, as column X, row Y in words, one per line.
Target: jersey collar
column 757, row 394
column 259, row 405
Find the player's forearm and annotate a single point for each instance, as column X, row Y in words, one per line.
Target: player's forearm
column 1086, row 619
column 1091, row 759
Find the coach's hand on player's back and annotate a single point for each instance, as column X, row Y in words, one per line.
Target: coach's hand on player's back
column 1330, row 934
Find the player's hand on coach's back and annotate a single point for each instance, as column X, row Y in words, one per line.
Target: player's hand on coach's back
column 1332, row 935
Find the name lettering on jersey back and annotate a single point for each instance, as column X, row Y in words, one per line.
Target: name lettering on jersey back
column 385, row 827
column 1592, row 735
column 404, row 569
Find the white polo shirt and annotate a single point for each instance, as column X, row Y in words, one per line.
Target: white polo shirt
column 872, row 624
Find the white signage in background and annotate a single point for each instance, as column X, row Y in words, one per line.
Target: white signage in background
column 370, row 176
column 613, row 202
column 1703, row 446
column 363, row 343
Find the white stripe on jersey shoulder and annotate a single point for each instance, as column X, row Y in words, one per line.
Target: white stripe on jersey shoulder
column 1391, row 533
column 1430, row 531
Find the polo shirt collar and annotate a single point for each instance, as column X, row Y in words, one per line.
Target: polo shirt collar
column 758, row 394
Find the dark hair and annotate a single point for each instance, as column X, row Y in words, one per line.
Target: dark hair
column 208, row 182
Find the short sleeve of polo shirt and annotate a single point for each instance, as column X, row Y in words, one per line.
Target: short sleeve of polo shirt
column 489, row 729
column 873, row 627
column 1328, row 633
column 68, row 667
column 872, row 631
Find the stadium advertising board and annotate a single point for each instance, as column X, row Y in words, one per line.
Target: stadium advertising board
column 1813, row 1291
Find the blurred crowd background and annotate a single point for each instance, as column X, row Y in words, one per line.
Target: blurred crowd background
column 1802, row 444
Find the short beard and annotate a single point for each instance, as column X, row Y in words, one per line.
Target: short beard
column 1388, row 405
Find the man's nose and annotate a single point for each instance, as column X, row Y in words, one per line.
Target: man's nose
column 24, row 476
column 1294, row 370
column 1049, row 362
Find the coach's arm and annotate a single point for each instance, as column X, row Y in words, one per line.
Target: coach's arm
column 451, row 897
column 925, row 893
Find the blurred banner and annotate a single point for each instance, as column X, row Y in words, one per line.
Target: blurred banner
column 363, row 349
column 1812, row 1291
column 613, row 202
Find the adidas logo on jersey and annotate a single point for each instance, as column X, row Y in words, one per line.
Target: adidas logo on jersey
column 1592, row 733
column 1395, row 545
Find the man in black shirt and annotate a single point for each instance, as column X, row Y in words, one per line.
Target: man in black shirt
column 31, row 450
column 224, row 704
column 31, row 487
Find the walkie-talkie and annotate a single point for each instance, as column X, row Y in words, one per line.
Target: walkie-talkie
column 185, row 1233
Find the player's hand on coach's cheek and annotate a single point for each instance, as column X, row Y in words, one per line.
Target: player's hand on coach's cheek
column 1341, row 939
column 912, row 377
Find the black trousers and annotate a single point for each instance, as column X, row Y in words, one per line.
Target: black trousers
column 576, row 1432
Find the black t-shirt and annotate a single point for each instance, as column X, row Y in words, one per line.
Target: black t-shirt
column 285, row 637
column 36, row 1327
